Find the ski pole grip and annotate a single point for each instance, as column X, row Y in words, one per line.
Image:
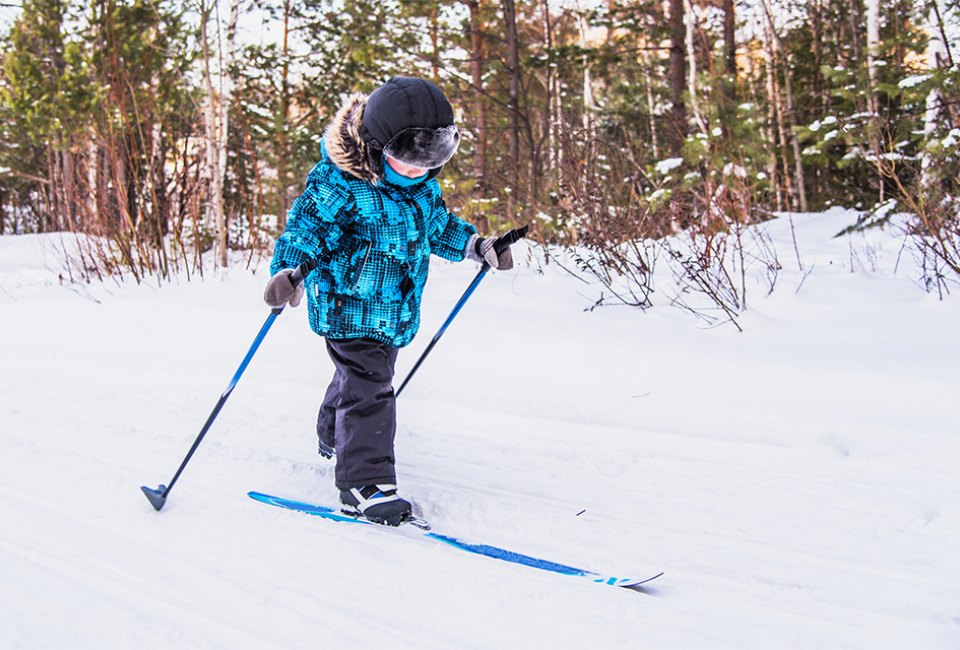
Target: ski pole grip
column 510, row 238
column 302, row 271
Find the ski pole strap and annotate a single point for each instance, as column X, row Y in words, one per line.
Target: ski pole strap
column 510, row 238
column 303, row 271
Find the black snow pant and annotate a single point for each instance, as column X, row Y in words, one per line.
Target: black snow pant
column 358, row 414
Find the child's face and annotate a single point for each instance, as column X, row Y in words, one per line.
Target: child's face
column 406, row 170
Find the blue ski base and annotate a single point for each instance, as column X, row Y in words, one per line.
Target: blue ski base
column 477, row 549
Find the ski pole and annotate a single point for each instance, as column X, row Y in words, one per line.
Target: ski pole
column 158, row 497
column 503, row 242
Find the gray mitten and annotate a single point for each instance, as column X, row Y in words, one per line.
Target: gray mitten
column 482, row 249
column 281, row 291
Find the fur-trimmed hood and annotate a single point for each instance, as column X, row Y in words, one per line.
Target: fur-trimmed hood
column 345, row 144
column 408, row 118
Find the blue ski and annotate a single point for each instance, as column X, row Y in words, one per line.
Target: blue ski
column 478, row 549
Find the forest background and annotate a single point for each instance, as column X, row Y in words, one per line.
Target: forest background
column 168, row 134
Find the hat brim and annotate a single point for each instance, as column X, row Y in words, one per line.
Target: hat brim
column 423, row 147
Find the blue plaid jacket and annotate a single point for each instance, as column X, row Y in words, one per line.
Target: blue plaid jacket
column 373, row 243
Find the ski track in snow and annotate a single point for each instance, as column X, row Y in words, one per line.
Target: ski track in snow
column 797, row 482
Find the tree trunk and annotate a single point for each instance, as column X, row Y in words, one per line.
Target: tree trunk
column 873, row 47
column 900, row 15
column 588, row 101
column 552, row 131
column 728, row 106
column 71, row 197
column 690, row 25
column 160, row 197
column 730, row 49
column 226, row 95
column 282, row 120
column 798, row 170
column 815, row 18
column 555, row 99
column 104, row 212
column 513, row 67
column 938, row 24
column 651, row 107
column 214, row 210
column 856, row 20
column 776, row 129
column 49, row 195
column 479, row 102
column 791, row 117
column 677, row 78
column 767, row 130
column 92, row 189
column 937, row 57
column 873, row 50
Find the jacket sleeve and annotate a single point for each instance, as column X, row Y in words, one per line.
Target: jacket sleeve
column 450, row 235
column 314, row 226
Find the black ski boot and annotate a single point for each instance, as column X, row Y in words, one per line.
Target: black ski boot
column 377, row 503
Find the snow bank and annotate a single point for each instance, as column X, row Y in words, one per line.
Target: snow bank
column 797, row 482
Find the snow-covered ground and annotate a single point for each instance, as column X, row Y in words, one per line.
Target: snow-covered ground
column 798, row 483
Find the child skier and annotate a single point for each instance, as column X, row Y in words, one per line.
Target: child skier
column 371, row 215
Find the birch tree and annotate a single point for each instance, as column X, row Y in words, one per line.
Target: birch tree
column 690, row 27
column 873, row 52
column 788, row 99
column 937, row 57
column 214, row 198
column 477, row 61
column 225, row 98
column 873, row 49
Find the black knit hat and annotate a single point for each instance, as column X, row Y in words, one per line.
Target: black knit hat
column 411, row 121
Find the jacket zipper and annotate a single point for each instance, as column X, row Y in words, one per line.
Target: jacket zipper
column 363, row 266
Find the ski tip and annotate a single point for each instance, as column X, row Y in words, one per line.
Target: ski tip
column 626, row 583
column 639, row 585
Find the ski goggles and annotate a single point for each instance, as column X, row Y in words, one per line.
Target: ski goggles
column 424, row 147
